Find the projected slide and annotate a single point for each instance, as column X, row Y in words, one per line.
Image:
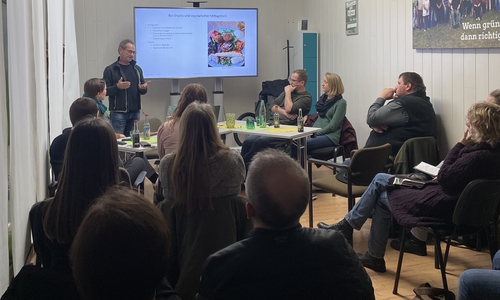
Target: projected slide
column 188, row 42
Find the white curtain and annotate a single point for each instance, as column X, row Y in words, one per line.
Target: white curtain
column 37, row 31
column 63, row 87
column 28, row 118
column 4, row 250
column 71, row 72
column 55, row 42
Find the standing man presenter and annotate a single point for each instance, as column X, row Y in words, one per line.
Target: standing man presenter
column 125, row 83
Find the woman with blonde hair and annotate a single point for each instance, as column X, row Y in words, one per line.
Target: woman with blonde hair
column 476, row 156
column 331, row 108
column 168, row 132
column 201, row 182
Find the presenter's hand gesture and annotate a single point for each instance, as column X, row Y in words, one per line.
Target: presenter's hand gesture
column 144, row 86
column 123, row 85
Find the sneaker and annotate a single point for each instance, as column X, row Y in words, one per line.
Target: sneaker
column 342, row 226
column 370, row 262
column 412, row 245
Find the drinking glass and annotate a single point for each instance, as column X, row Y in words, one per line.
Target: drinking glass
column 230, row 120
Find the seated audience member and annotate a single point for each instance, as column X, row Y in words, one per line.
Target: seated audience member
column 279, row 259
column 201, row 181
column 83, row 108
column 287, row 104
column 168, row 133
column 120, row 250
column 494, row 97
column 410, row 114
column 477, row 284
column 90, row 168
column 331, row 108
column 95, row 89
column 476, row 156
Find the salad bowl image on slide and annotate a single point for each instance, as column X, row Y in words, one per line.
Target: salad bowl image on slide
column 226, row 47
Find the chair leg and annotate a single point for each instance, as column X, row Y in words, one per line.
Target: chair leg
column 309, row 173
column 400, row 260
column 447, row 251
column 442, row 265
column 491, row 235
column 350, row 203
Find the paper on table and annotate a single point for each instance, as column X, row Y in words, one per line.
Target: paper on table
column 428, row 169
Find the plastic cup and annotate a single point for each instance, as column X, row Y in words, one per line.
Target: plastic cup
column 230, row 120
column 250, row 123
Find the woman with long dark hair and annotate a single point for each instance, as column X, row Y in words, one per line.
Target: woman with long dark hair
column 90, row 167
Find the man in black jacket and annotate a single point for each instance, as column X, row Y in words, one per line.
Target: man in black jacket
column 409, row 115
column 125, row 85
column 279, row 259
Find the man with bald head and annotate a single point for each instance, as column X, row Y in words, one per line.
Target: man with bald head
column 279, row 259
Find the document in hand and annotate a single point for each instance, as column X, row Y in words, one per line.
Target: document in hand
column 428, row 169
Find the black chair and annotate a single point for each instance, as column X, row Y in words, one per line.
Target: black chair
column 56, row 170
column 414, row 151
column 477, row 208
column 138, row 184
column 328, row 153
column 364, row 165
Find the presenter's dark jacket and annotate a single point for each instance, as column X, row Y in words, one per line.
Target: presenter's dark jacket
column 118, row 99
column 297, row 263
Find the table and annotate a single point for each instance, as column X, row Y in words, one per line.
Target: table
column 138, row 151
column 288, row 132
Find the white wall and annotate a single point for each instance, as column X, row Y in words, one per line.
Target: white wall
column 367, row 62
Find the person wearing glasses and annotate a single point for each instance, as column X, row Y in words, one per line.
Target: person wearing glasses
column 287, row 104
column 125, row 85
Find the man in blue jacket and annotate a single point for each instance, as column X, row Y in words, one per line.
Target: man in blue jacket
column 125, row 85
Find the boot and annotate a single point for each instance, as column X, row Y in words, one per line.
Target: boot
column 342, row 226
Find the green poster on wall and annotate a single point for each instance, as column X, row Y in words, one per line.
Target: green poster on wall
column 351, row 17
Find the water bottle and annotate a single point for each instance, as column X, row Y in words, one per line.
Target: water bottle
column 262, row 114
column 276, row 118
column 136, row 142
column 147, row 128
column 300, row 121
column 169, row 112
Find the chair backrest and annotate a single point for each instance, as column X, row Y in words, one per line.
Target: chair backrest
column 154, row 124
column 216, row 110
column 56, row 167
column 348, row 138
column 125, row 178
column 414, row 151
column 477, row 206
column 368, row 162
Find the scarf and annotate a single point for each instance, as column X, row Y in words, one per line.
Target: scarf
column 102, row 108
column 324, row 104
